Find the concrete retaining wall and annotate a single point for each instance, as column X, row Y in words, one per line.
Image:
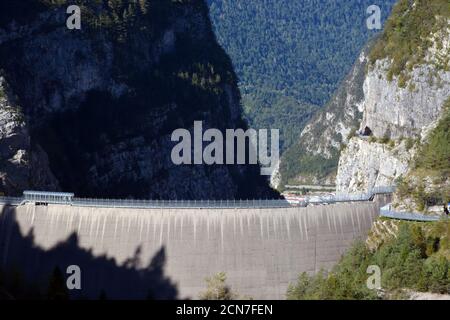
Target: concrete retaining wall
column 261, row 250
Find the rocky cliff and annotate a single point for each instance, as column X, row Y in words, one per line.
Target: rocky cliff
column 405, row 89
column 92, row 110
column 395, row 111
column 365, row 164
column 393, row 97
column 19, row 166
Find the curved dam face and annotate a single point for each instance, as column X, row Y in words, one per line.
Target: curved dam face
column 168, row 253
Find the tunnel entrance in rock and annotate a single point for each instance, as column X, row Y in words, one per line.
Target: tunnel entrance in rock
column 367, row 132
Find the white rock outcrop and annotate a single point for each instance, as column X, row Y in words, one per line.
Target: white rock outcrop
column 364, row 165
column 392, row 111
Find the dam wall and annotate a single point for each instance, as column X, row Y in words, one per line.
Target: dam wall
column 168, row 253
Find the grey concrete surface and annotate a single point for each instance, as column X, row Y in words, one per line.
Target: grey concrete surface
column 261, row 250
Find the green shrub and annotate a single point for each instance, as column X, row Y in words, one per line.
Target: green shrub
column 385, row 139
column 435, row 153
column 437, row 274
column 405, row 39
column 391, row 144
column 217, row 289
column 351, row 134
column 409, row 143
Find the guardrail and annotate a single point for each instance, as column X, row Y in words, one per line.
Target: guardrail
column 54, row 198
column 178, row 204
column 351, row 197
column 387, row 212
column 15, row 201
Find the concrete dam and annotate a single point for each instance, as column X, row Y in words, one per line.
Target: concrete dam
column 167, row 253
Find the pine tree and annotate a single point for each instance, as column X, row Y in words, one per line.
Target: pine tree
column 217, row 288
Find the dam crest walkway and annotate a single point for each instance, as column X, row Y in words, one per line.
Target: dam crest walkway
column 41, row 197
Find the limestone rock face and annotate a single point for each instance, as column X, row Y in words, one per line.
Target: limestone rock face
column 13, row 144
column 364, row 165
column 19, row 170
column 100, row 104
column 395, row 112
column 397, row 108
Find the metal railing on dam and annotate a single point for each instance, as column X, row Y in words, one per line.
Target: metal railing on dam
column 14, row 201
column 150, row 204
column 180, row 204
column 68, row 199
column 354, row 197
column 387, row 212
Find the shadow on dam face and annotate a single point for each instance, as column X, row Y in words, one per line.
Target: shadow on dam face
column 261, row 250
column 26, row 270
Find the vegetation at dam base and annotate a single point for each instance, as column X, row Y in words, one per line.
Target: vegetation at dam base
column 217, row 289
column 417, row 259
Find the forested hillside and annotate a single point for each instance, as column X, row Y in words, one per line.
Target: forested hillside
column 291, row 55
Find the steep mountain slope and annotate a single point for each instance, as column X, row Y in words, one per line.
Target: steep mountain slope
column 314, row 158
column 399, row 99
column 405, row 90
column 290, row 56
column 98, row 105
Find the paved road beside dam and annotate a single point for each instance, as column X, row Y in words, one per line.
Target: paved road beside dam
column 261, row 250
